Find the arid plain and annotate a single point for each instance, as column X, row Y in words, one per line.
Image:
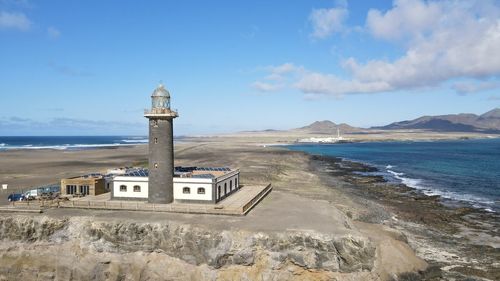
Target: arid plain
column 320, row 222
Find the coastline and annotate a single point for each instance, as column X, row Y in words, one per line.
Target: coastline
column 454, row 238
column 9, row 143
column 424, row 171
column 320, row 196
column 434, row 137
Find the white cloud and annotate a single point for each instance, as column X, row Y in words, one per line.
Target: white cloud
column 14, row 21
column 445, row 40
column 266, row 87
column 53, row 32
column 318, row 83
column 328, row 21
column 461, row 41
column 474, row 87
column 277, row 78
column 406, row 18
column 283, row 69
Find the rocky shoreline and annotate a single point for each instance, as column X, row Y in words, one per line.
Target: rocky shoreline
column 459, row 243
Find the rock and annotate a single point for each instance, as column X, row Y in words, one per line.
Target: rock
column 151, row 251
column 244, row 257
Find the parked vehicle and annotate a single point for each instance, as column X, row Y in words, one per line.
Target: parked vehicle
column 31, row 194
column 16, row 197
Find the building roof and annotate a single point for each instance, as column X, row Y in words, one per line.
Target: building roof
column 160, row 91
column 217, row 169
column 203, row 176
column 137, row 173
column 193, row 172
column 205, row 169
column 93, row 176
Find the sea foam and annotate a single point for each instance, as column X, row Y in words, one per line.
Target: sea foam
column 67, row 146
column 475, row 201
column 135, row 140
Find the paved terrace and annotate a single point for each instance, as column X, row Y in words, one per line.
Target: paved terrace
column 238, row 204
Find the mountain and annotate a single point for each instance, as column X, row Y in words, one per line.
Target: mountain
column 328, row 127
column 488, row 122
column 495, row 113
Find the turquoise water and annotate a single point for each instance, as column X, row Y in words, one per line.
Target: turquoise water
column 461, row 170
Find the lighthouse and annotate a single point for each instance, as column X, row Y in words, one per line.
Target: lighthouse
column 161, row 147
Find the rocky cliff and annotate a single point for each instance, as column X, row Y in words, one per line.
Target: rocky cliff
column 81, row 248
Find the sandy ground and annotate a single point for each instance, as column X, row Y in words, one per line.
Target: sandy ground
column 280, row 211
column 25, row 168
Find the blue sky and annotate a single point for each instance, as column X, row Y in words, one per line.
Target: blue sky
column 89, row 67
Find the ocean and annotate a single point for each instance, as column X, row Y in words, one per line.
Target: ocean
column 461, row 171
column 69, row 142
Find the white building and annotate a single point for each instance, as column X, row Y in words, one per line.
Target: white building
column 191, row 184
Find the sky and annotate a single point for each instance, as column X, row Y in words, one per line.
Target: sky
column 89, row 67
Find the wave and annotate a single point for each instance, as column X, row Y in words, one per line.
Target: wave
column 413, row 183
column 395, row 174
column 65, row 146
column 419, row 184
column 135, row 140
column 475, row 201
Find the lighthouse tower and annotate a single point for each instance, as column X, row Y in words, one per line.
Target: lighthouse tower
column 161, row 147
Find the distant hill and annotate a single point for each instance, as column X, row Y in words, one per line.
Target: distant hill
column 488, row 122
column 328, row 127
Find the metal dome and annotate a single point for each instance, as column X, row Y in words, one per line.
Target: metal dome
column 160, row 91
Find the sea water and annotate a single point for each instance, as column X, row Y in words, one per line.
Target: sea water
column 68, row 142
column 466, row 171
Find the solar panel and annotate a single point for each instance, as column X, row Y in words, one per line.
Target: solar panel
column 138, row 173
column 219, row 169
column 204, row 176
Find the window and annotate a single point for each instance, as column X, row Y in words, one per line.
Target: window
column 156, row 140
column 236, row 183
column 201, row 190
column 123, row 188
column 218, row 189
column 70, row 189
column 225, row 188
column 230, row 185
column 186, row 190
column 155, row 123
column 137, row 188
column 84, row 190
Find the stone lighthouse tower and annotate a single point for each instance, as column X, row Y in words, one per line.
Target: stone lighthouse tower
column 161, row 147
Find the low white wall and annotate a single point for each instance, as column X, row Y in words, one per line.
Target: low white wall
column 130, row 182
column 226, row 181
column 193, row 195
column 179, row 184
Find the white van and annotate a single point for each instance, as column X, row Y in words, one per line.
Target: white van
column 31, row 194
